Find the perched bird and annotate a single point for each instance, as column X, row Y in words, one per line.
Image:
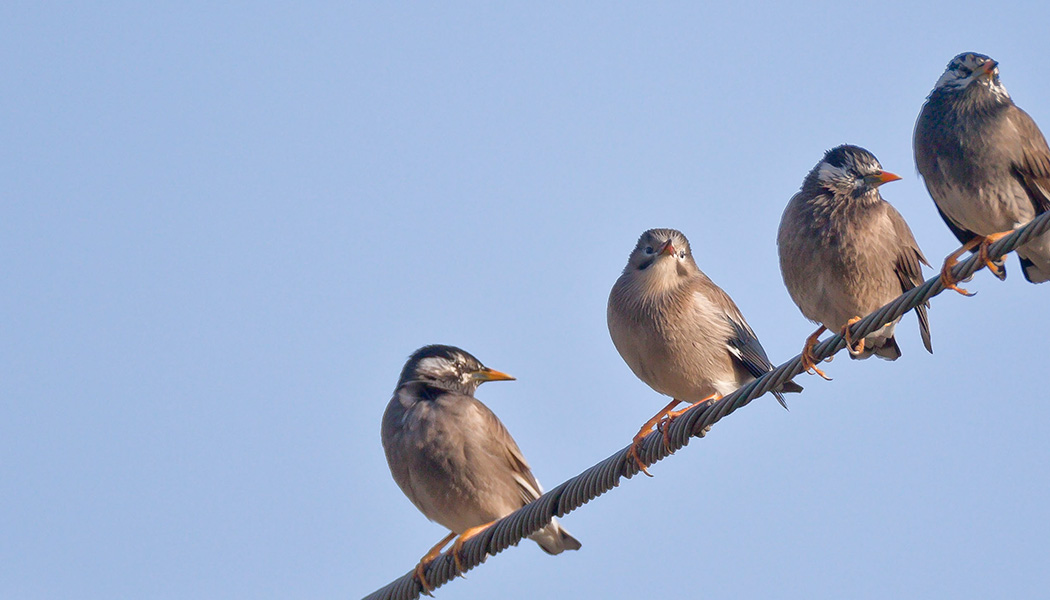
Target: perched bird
column 452, row 456
column 985, row 163
column 845, row 252
column 679, row 332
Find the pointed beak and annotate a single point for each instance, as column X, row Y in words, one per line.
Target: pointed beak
column 487, row 374
column 666, row 248
column 988, row 68
column 881, row 178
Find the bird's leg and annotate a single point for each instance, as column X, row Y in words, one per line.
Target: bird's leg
column 983, row 252
column 809, row 361
column 429, row 558
column 463, row 537
column 849, row 341
column 645, row 430
column 665, row 425
column 949, row 281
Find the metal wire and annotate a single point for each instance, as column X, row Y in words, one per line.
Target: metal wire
column 606, row 475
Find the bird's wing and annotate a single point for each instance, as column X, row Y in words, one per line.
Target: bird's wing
column 930, row 146
column 740, row 340
column 503, row 446
column 961, row 233
column 743, row 343
column 1033, row 167
column 908, row 268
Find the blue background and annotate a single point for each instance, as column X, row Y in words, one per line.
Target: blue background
column 224, row 228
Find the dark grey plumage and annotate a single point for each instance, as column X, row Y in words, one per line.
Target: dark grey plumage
column 677, row 330
column 450, row 454
column 984, row 160
column 845, row 252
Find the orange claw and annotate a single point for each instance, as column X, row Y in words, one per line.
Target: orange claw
column 982, row 243
column 462, row 539
column 644, row 431
column 664, row 425
column 429, row 558
column 809, row 361
column 849, row 341
column 983, row 252
column 947, row 279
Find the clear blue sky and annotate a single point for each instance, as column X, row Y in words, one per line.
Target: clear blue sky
column 224, row 228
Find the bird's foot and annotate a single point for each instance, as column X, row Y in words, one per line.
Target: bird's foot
column 849, row 341
column 809, row 361
column 633, row 453
column 429, row 558
column 646, row 429
column 664, row 426
column 462, row 539
column 947, row 279
column 983, row 252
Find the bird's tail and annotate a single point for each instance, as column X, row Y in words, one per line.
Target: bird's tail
column 553, row 539
column 788, row 387
column 884, row 348
column 1035, row 259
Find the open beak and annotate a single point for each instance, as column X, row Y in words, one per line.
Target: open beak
column 487, row 374
column 667, row 248
column 882, row 177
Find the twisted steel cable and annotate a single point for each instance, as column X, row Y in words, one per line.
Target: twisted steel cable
column 606, row 475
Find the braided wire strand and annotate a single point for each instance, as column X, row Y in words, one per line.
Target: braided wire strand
column 606, row 475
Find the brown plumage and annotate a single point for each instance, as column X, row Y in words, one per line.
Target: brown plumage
column 678, row 331
column 845, row 252
column 451, row 455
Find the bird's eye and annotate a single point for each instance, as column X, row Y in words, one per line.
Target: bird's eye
column 648, row 249
column 681, row 254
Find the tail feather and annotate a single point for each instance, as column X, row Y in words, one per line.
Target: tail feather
column 789, row 387
column 924, row 326
column 1032, row 272
column 884, row 348
column 1035, row 259
column 553, row 539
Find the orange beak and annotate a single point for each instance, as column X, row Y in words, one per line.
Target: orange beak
column 988, row 68
column 487, row 374
column 667, row 248
column 886, row 177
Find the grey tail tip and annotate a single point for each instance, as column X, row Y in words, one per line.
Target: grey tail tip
column 556, row 545
column 569, row 542
column 789, row 387
column 889, row 350
column 780, row 399
column 1031, row 272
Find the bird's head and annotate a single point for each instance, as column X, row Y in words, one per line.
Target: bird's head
column 850, row 171
column 973, row 73
column 448, row 368
column 662, row 253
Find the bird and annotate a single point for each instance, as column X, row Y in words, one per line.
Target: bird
column 452, row 456
column 679, row 332
column 985, row 163
column 845, row 252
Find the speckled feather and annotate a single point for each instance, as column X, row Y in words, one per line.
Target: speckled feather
column 845, row 252
column 984, row 160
